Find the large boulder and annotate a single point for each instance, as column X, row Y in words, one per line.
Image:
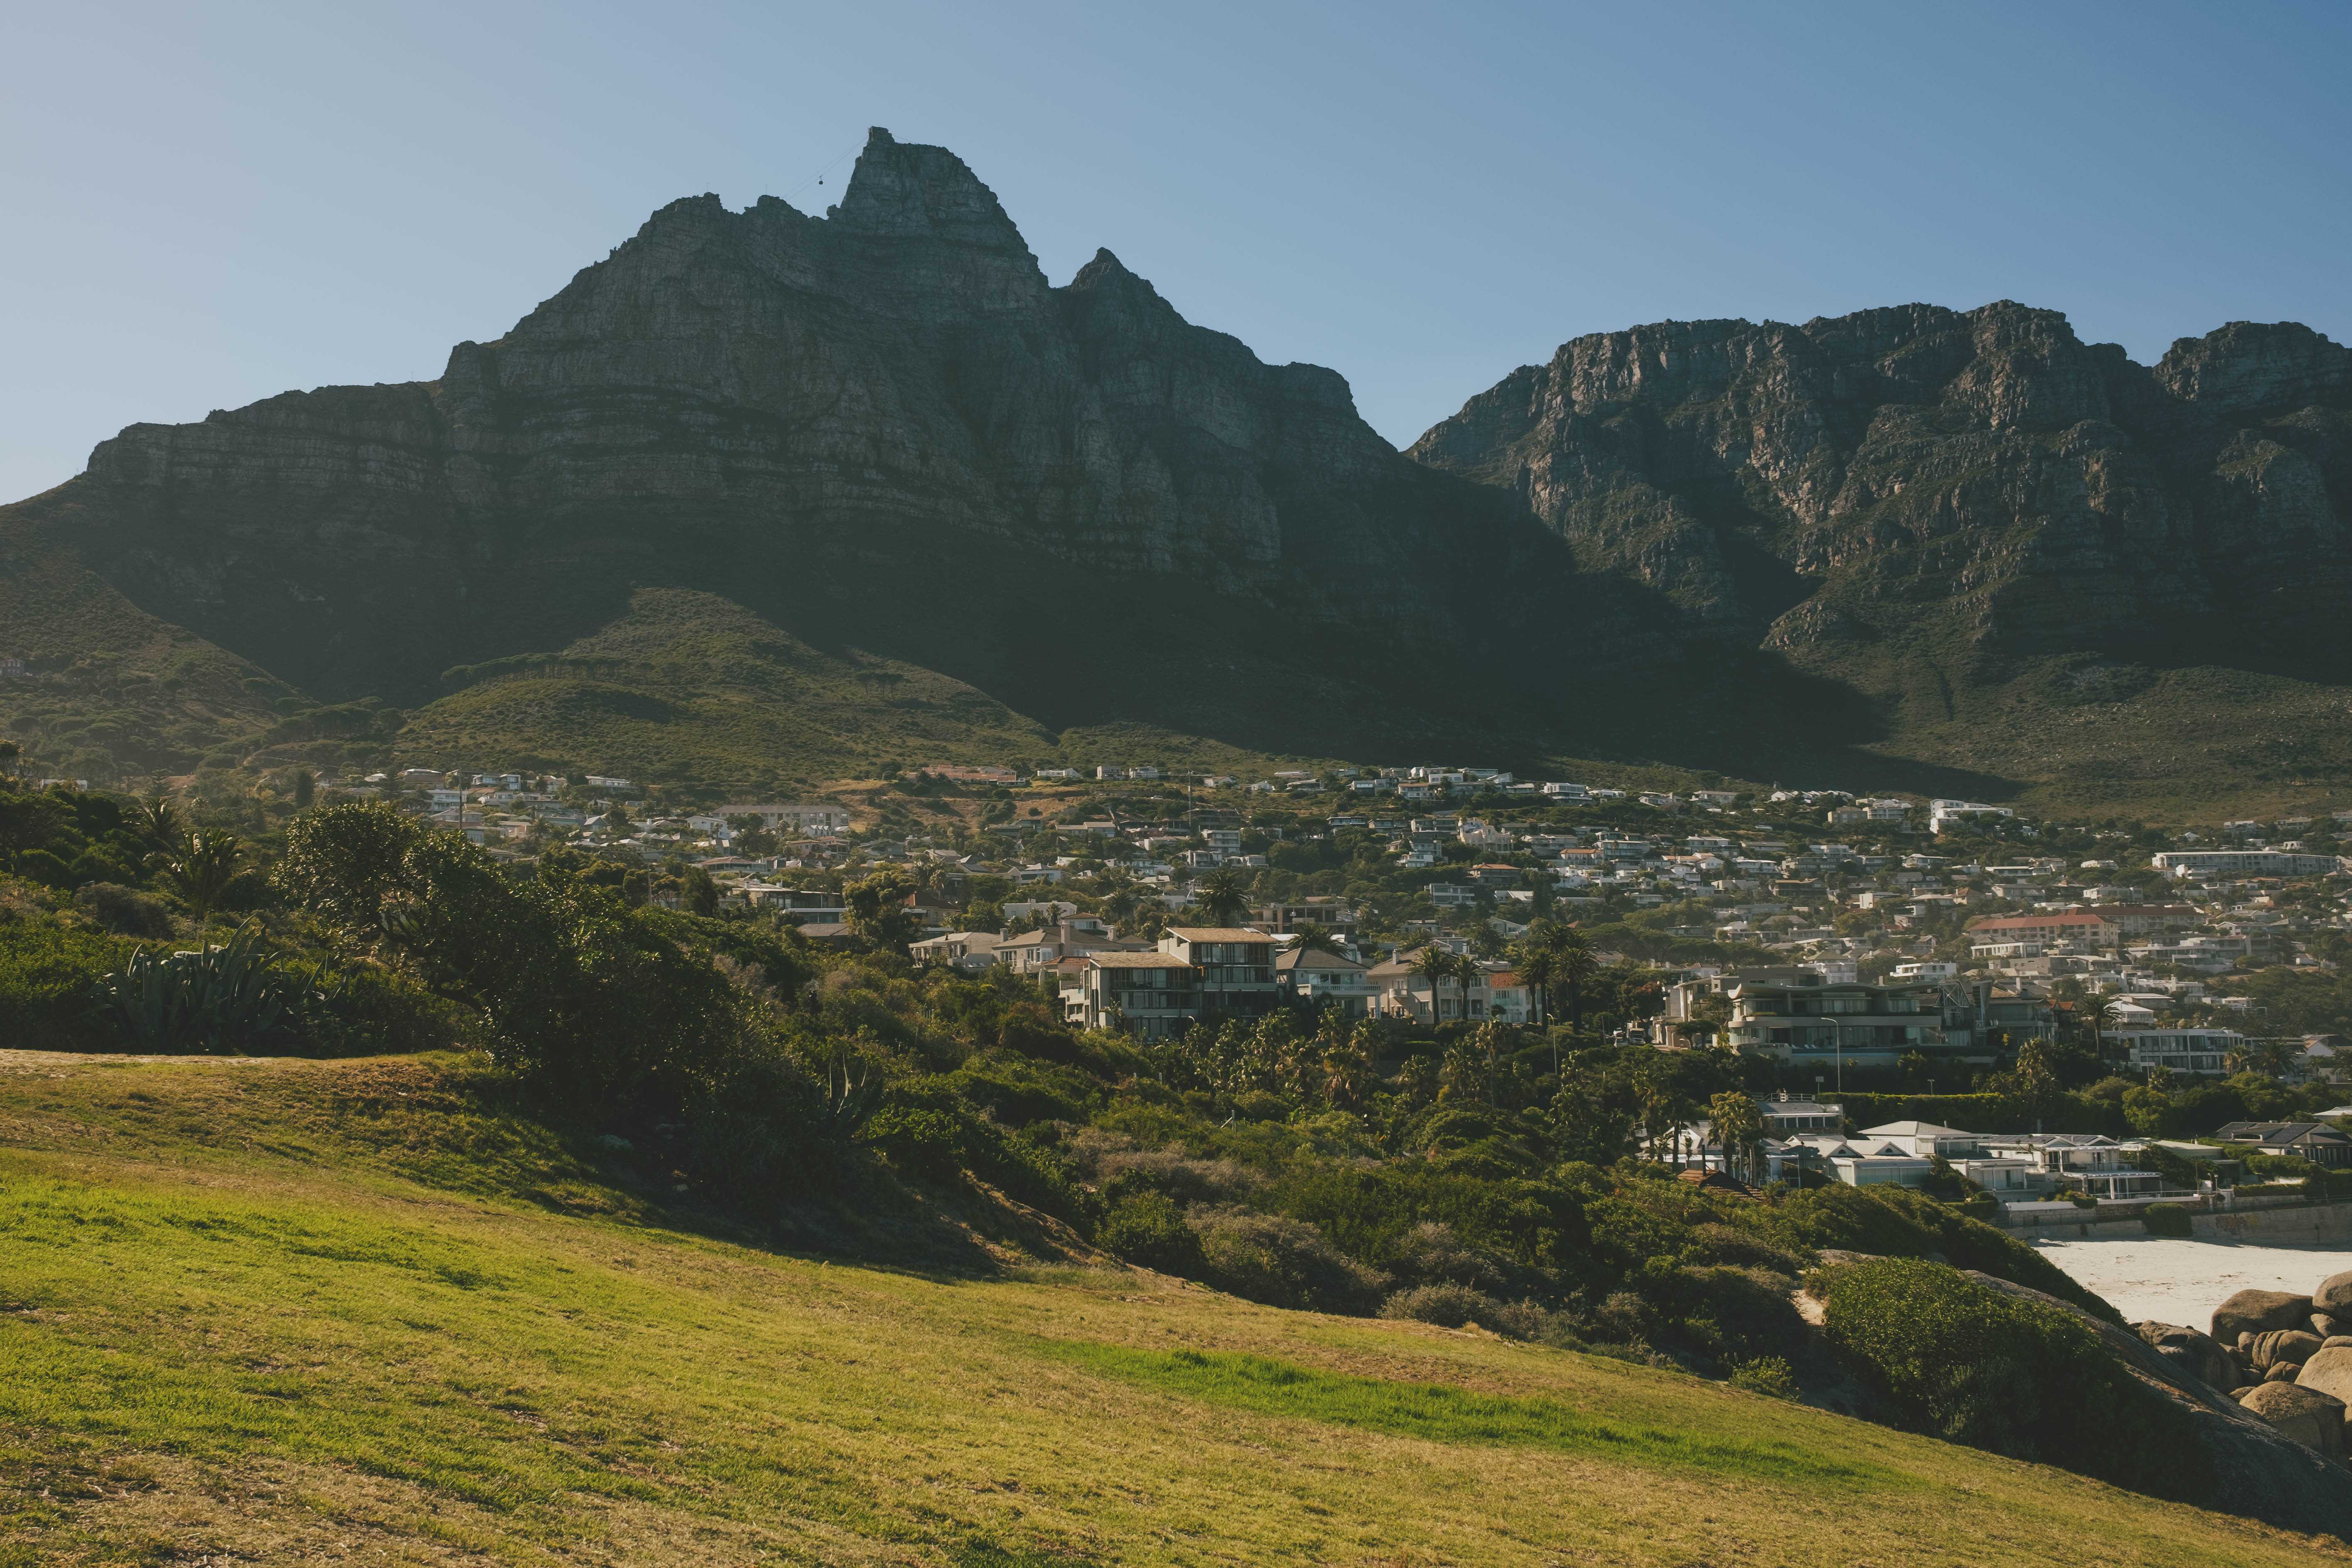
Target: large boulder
column 2324, row 1325
column 2312, row 1418
column 2281, row 1345
column 2192, row 1353
column 2259, row 1471
column 2334, row 1295
column 2330, row 1371
column 2259, row 1312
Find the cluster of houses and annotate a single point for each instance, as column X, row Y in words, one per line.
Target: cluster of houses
column 1860, row 922
column 1806, row 1140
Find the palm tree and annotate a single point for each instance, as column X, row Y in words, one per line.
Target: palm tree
column 1435, row 965
column 157, row 820
column 1220, row 898
column 201, row 871
column 1307, row 936
column 1576, row 968
column 1538, row 968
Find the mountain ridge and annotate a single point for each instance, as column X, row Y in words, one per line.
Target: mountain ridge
column 1748, row 548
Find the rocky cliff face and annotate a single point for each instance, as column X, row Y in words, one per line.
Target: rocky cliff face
column 812, row 414
column 1739, row 546
column 1966, row 491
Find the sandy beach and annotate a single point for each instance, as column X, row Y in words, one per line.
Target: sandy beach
column 2182, row 1281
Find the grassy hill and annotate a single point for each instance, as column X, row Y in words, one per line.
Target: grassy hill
column 108, row 688
column 269, row 1311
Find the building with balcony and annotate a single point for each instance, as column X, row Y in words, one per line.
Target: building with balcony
column 1323, row 980
column 1152, row 995
column 1236, row 965
column 1800, row 1015
column 2189, row 1052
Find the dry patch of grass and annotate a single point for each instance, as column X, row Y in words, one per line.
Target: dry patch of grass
column 331, row 1346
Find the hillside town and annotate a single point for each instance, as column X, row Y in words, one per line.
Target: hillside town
column 1847, row 940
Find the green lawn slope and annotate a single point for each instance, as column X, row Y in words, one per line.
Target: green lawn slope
column 278, row 1310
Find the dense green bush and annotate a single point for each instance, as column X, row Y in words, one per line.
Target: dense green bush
column 1893, row 1223
column 2166, row 1219
column 1734, row 1314
column 235, row 995
column 1974, row 1365
column 1148, row 1229
column 47, row 971
column 1282, row 1262
column 124, row 910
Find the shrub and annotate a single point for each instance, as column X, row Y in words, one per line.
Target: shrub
column 1974, row 1365
column 1769, row 1376
column 2166, row 1219
column 1447, row 1306
column 1282, row 1263
column 1149, row 1229
column 235, row 995
column 753, row 1126
column 1733, row 1314
column 46, row 973
column 1457, row 1306
column 123, row 912
column 1432, row 1254
column 920, row 1141
column 1890, row 1221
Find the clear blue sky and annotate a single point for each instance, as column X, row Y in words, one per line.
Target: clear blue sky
column 208, row 204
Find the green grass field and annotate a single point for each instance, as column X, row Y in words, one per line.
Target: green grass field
column 276, row 1312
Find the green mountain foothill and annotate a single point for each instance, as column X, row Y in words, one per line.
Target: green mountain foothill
column 765, row 495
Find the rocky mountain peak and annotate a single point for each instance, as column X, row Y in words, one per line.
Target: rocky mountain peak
column 903, row 188
column 2257, row 365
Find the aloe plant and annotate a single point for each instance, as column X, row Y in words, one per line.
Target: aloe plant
column 226, row 996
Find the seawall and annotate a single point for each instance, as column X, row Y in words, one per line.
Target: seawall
column 2289, row 1222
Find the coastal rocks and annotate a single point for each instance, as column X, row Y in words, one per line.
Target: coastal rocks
column 2312, row 1418
column 2270, row 1349
column 2258, row 1312
column 2260, row 1472
column 2192, row 1353
column 2334, row 1295
column 2323, row 1324
column 2330, row 1371
column 2281, row 1372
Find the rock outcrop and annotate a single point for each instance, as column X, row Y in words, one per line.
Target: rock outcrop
column 1753, row 547
column 2191, row 1355
column 882, row 423
column 2259, row 1312
column 1919, row 497
column 2260, row 1470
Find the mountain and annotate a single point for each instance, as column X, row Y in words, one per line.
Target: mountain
column 772, row 495
column 2027, row 553
column 883, row 434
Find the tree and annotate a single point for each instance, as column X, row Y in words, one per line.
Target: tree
column 1576, row 971
column 1220, row 898
column 1538, row 967
column 876, row 913
column 11, row 755
column 306, row 789
column 1435, row 965
column 201, row 870
column 698, row 892
column 1739, row 1126
column 27, row 821
column 1309, row 937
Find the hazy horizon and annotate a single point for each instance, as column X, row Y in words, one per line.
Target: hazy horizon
column 213, row 208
